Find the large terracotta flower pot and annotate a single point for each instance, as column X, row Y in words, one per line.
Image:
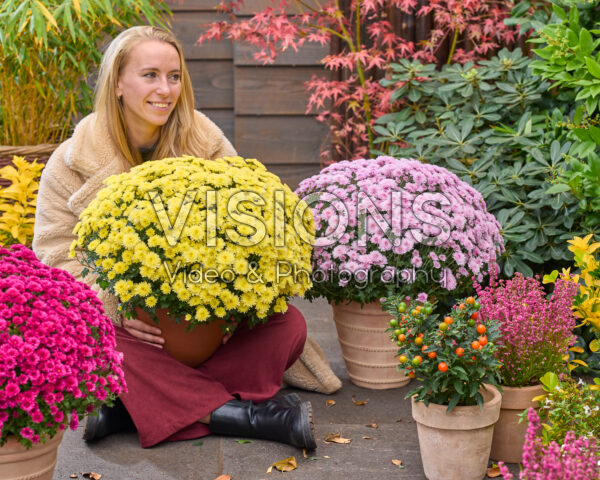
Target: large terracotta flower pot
column 37, row 463
column 371, row 357
column 191, row 347
column 456, row 445
column 509, row 434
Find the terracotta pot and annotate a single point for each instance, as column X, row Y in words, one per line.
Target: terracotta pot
column 37, row 463
column 509, row 434
column 191, row 347
column 456, row 445
column 371, row 357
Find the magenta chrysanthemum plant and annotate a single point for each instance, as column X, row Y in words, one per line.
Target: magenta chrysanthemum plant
column 400, row 226
column 577, row 459
column 57, row 349
column 535, row 332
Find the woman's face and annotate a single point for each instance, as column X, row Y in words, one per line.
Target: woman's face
column 149, row 85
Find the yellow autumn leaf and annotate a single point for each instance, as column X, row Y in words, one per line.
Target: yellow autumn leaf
column 77, row 6
column 359, row 402
column 336, row 438
column 493, row 472
column 577, row 349
column 330, row 403
column 539, row 398
column 397, row 462
column 286, row 465
column 595, row 345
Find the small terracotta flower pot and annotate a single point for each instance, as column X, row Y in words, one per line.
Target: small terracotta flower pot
column 509, row 434
column 18, row 463
column 456, row 445
column 371, row 357
column 191, row 347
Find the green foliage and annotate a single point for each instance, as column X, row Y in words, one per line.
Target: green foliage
column 49, row 48
column 426, row 342
column 488, row 123
column 570, row 58
column 568, row 405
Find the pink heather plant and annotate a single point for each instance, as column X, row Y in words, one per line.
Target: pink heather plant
column 399, row 226
column 535, row 332
column 577, row 459
column 57, row 349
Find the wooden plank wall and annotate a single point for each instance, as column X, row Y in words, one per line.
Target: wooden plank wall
column 260, row 108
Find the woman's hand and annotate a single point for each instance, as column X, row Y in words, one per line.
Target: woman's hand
column 144, row 332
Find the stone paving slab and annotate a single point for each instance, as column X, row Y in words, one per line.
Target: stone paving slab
column 119, row 457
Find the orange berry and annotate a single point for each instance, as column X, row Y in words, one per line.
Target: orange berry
column 401, row 337
column 474, row 358
column 443, row 367
column 449, row 320
column 419, row 341
column 420, row 334
column 483, row 341
column 475, row 345
column 412, row 374
column 432, row 354
column 461, row 306
column 480, row 328
column 475, row 315
column 460, row 351
column 423, row 348
column 470, row 301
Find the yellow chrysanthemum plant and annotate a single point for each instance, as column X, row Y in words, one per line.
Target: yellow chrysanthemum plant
column 205, row 239
column 587, row 303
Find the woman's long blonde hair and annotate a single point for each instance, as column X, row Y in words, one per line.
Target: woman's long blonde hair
column 178, row 136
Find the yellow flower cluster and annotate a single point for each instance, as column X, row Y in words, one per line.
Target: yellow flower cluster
column 203, row 238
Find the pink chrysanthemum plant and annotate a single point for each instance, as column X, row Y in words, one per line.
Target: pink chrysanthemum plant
column 535, row 331
column 397, row 226
column 57, row 350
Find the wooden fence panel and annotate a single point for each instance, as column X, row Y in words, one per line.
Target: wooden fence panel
column 276, row 140
column 272, row 90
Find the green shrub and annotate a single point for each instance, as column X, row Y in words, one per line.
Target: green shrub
column 489, row 124
column 49, row 48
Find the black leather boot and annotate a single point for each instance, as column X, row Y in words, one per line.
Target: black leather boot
column 109, row 420
column 284, row 419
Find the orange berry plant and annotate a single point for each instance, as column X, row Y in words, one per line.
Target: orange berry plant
column 446, row 375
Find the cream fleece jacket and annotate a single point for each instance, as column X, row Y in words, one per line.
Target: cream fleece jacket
column 70, row 181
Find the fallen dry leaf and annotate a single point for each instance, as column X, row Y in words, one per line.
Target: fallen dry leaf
column 270, row 469
column 336, row 438
column 92, row 475
column 398, row 463
column 368, row 438
column 304, row 453
column 330, row 403
column 372, row 425
column 73, row 475
column 223, row 477
column 286, row 465
column 359, row 402
column 493, row 472
column 326, row 456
